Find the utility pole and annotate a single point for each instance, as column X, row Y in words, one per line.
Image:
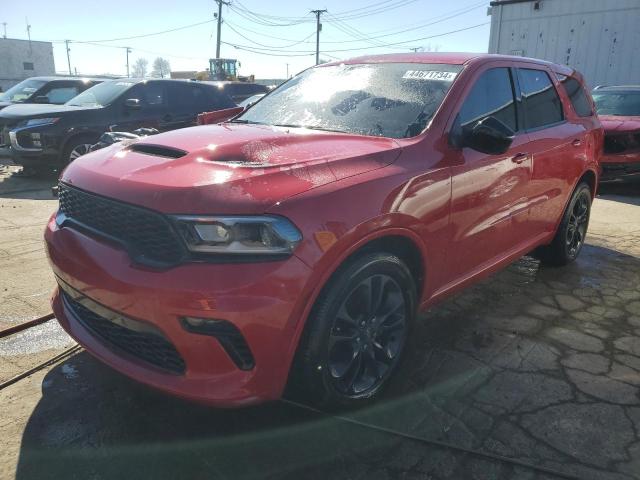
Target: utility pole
column 287, row 77
column 318, row 28
column 28, row 34
column 4, row 24
column 128, row 52
column 220, row 3
column 66, row 42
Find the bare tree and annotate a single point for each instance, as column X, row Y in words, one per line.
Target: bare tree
column 161, row 68
column 140, row 68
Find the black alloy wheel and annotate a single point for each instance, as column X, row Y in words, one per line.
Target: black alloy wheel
column 356, row 333
column 367, row 335
column 577, row 224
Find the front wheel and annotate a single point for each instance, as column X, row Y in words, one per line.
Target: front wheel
column 76, row 148
column 357, row 331
column 569, row 239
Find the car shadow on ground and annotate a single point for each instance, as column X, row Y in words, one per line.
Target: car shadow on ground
column 14, row 185
column 626, row 192
column 541, row 365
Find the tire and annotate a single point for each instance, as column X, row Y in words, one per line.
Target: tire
column 569, row 238
column 75, row 148
column 351, row 347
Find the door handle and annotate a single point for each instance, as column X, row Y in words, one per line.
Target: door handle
column 577, row 142
column 519, row 157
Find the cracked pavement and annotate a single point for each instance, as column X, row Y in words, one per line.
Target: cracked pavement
column 538, row 364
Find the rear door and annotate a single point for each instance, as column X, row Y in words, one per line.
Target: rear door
column 557, row 141
column 489, row 205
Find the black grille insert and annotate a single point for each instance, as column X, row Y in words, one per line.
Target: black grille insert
column 117, row 332
column 147, row 235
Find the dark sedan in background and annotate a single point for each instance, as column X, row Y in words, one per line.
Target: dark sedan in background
column 46, row 137
column 56, row 90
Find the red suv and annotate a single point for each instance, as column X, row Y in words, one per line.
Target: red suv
column 296, row 243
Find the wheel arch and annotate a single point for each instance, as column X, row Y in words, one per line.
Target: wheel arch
column 74, row 136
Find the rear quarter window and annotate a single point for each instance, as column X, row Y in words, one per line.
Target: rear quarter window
column 542, row 105
column 577, row 95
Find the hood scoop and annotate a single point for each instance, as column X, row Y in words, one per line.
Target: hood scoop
column 157, row 150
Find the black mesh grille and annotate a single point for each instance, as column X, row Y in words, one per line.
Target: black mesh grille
column 145, row 344
column 147, row 235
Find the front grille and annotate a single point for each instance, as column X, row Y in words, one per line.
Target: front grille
column 621, row 143
column 147, row 235
column 118, row 333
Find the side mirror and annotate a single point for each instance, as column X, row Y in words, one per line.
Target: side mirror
column 488, row 135
column 132, row 103
column 41, row 99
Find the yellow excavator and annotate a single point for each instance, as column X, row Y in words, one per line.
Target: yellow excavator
column 224, row 69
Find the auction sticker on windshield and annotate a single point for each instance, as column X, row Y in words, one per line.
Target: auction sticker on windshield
column 430, row 75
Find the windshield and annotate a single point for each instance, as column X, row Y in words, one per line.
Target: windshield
column 394, row 100
column 22, row 91
column 101, row 95
column 617, row 103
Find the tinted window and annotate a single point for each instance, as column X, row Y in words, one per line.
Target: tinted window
column 22, row 91
column 153, row 94
column 542, row 104
column 101, row 94
column 61, row 95
column 577, row 95
column 617, row 102
column 491, row 95
column 385, row 99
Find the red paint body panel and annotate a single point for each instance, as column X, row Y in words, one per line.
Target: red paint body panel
column 468, row 214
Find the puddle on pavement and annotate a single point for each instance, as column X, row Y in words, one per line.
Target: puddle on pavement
column 47, row 336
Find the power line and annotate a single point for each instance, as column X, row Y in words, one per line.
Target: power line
column 272, row 47
column 184, row 27
column 306, row 52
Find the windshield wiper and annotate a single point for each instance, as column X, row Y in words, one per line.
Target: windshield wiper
column 242, row 120
column 309, row 127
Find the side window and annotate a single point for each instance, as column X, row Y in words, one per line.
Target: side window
column 154, row 94
column 491, row 96
column 577, row 96
column 542, row 104
column 186, row 97
column 62, row 94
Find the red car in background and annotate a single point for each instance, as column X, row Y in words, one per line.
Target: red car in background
column 619, row 112
column 296, row 243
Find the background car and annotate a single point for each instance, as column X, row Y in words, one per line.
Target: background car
column 42, row 137
column 251, row 100
column 56, row 90
column 619, row 110
column 240, row 91
column 296, row 243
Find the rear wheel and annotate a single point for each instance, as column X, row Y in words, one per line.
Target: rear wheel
column 569, row 239
column 357, row 331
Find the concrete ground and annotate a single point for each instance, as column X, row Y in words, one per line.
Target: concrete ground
column 537, row 364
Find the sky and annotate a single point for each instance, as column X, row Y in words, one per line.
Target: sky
column 268, row 38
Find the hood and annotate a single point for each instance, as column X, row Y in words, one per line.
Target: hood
column 619, row 124
column 36, row 110
column 4, row 104
column 226, row 169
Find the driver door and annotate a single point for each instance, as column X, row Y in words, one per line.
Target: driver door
column 489, row 210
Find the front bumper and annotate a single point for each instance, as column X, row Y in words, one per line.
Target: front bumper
column 616, row 167
column 30, row 146
column 260, row 299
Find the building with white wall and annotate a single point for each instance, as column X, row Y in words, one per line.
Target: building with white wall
column 20, row 59
column 600, row 38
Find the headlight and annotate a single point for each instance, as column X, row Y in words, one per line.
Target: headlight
column 261, row 235
column 40, row 121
